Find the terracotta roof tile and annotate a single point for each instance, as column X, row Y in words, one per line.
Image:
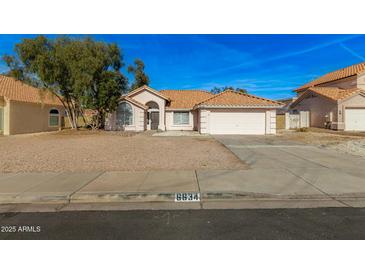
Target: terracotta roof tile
column 185, row 99
column 18, row 91
column 336, row 75
column 231, row 98
column 334, row 93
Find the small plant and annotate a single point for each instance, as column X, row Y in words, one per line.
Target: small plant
column 302, row 129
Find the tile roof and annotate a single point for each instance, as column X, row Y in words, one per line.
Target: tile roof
column 335, row 75
column 185, row 99
column 335, row 93
column 231, row 98
column 18, row 91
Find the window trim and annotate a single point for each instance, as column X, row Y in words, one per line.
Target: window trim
column 132, row 113
column 54, row 115
column 181, row 124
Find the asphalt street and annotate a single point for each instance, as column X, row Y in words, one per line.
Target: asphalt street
column 319, row 223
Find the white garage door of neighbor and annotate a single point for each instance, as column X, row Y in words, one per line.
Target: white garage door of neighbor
column 355, row 119
column 237, row 122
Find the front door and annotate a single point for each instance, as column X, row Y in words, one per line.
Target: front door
column 155, row 117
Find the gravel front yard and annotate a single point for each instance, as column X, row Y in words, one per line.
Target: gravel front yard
column 106, row 151
column 344, row 142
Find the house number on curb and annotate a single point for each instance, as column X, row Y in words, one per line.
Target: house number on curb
column 187, row 197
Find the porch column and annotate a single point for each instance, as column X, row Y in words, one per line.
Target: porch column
column 161, row 125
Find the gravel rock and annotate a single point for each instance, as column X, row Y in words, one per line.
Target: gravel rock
column 111, row 151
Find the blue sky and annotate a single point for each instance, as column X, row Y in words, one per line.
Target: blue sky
column 266, row 65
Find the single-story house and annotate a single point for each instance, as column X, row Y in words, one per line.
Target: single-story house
column 25, row 109
column 335, row 100
column 228, row 112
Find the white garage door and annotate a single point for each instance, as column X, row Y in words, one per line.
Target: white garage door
column 237, row 123
column 355, row 119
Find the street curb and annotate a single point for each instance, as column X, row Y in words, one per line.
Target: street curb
column 111, row 197
column 145, row 197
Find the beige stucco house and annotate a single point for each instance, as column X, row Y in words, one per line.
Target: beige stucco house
column 226, row 113
column 335, row 100
column 25, row 109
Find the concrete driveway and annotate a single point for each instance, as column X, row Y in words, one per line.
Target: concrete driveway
column 288, row 167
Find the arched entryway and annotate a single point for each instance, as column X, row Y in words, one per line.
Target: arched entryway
column 153, row 115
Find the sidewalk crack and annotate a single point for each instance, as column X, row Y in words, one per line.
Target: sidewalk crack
column 317, row 188
column 84, row 185
column 201, row 194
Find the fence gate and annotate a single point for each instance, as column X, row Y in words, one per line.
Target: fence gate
column 300, row 120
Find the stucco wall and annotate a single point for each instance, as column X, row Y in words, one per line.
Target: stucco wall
column 170, row 121
column 138, row 120
column 271, row 121
column 204, row 121
column 361, row 81
column 29, row 117
column 318, row 107
column 1, row 120
column 145, row 96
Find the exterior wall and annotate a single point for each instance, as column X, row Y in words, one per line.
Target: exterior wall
column 6, row 121
column 145, row 96
column 361, row 81
column 271, row 121
column 29, row 118
column 139, row 120
column 349, row 82
column 270, row 127
column 195, row 119
column 2, row 115
column 170, row 121
column 357, row 101
column 204, row 121
column 319, row 107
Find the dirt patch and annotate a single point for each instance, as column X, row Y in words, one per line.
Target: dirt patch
column 351, row 143
column 107, row 151
column 316, row 138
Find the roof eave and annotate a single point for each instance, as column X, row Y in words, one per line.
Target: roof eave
column 178, row 109
column 238, row 106
column 351, row 96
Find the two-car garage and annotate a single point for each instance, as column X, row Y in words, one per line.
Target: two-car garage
column 237, row 113
column 237, row 122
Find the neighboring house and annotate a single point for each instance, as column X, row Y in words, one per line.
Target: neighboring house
column 287, row 102
column 335, row 100
column 25, row 109
column 226, row 113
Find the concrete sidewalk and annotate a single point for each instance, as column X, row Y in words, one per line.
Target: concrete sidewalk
column 253, row 188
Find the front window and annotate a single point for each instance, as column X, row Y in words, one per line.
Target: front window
column 54, row 118
column 181, row 118
column 124, row 114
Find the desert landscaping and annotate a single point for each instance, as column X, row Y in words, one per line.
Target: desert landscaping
column 86, row 150
column 340, row 141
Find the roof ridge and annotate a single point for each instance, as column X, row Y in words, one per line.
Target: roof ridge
column 354, row 66
column 238, row 93
column 214, row 96
column 254, row 96
column 201, row 90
